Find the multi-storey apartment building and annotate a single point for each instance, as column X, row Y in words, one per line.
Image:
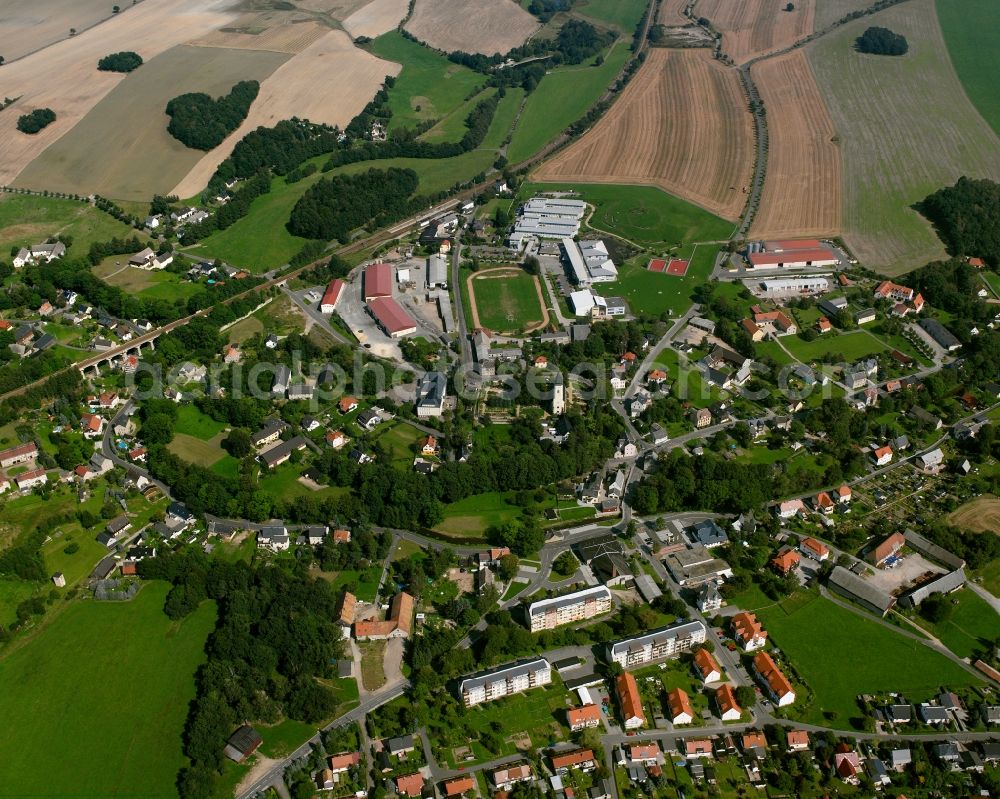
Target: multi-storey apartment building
column 659, row 644
column 580, row 605
column 504, row 681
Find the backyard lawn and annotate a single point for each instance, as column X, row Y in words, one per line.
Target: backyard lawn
column 105, row 688
column 27, row 219
column 840, row 654
column 399, row 440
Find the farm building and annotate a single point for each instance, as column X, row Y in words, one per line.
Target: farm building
column 378, row 281
column 390, row 316
column 331, row 296
column 792, row 245
column 798, row 258
column 437, row 272
column 848, row 584
column 942, row 335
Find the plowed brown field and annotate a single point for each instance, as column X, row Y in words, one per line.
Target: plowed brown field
column 802, row 189
column 285, row 35
column 753, row 27
column 670, row 13
column 681, row 124
column 473, row 26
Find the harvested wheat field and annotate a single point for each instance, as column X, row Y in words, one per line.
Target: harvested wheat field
column 981, row 515
column 376, row 18
column 906, row 128
column 330, row 81
column 64, row 76
column 30, row 25
column 830, row 11
column 681, row 124
column 276, row 31
column 473, row 26
column 121, row 149
column 753, row 27
column 672, row 13
column 802, row 189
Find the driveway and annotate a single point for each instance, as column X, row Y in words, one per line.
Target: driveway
column 392, row 663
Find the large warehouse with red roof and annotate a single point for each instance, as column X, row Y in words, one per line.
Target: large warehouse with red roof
column 378, row 281
column 391, row 317
column 331, row 296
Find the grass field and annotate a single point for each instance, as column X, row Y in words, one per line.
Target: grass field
column 193, row 422
column 623, row 14
column 156, row 285
column 430, row 87
column 981, row 515
column 563, row 96
column 399, row 440
column 473, row 515
column 26, row 220
column 654, row 293
column 372, row 671
column 644, row 215
column 197, row 450
column 839, row 655
column 906, row 128
column 507, row 301
column 972, row 626
column 970, row 29
column 854, row 345
column 121, row 148
column 105, row 688
column 260, row 241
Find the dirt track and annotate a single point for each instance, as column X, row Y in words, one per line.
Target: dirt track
column 802, row 189
column 474, row 309
column 473, row 26
column 685, row 122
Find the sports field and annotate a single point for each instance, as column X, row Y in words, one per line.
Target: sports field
column 562, row 98
column 802, row 186
column 688, row 130
column 27, row 219
column 121, row 149
column 644, row 215
column 652, row 293
column 429, row 85
column 506, row 300
column 970, row 29
column 100, row 700
column 840, row 654
column 906, row 128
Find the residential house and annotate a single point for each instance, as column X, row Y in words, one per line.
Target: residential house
column 579, row 718
column 773, row 680
column 706, row 666
column 582, row 759
column 629, row 701
column 814, row 549
column 679, row 705
column 273, row 537
column 398, row 624
column 748, row 632
column 786, row 561
column 882, row 456
column 725, row 699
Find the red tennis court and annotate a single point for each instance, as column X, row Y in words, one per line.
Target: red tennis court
column 677, row 268
column 656, row 265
